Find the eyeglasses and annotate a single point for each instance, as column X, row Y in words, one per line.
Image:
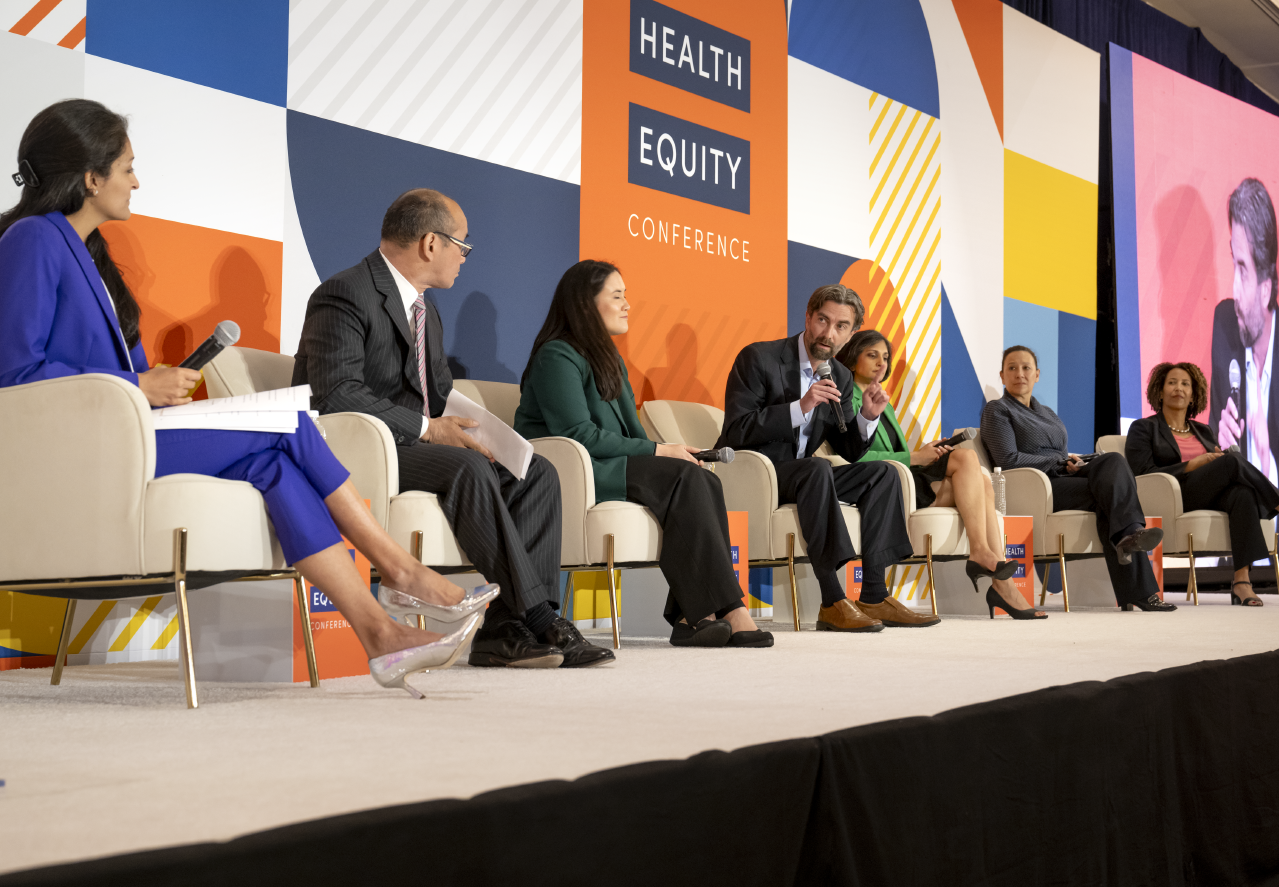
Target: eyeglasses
column 461, row 244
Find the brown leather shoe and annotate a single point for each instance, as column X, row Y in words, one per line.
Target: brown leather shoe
column 895, row 614
column 844, row 616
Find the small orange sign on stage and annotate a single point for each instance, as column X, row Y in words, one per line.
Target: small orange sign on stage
column 1019, row 546
column 853, row 580
column 739, row 535
column 338, row 652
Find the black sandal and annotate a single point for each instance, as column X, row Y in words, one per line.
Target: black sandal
column 1253, row 601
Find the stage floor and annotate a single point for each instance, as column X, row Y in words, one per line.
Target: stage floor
column 112, row 761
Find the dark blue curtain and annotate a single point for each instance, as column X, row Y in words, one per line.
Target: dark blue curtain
column 1148, row 32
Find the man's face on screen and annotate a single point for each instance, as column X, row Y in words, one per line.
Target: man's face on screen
column 827, row 330
column 1252, row 297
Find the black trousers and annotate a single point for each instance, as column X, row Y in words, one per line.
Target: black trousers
column 817, row 487
column 1235, row 486
column 696, row 559
column 510, row 529
column 1106, row 485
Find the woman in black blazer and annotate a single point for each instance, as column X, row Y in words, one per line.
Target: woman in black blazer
column 1173, row 443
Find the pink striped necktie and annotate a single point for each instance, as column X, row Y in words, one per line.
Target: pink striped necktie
column 419, row 329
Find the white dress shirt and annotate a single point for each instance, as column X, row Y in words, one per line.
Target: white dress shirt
column 803, row 421
column 409, row 294
column 1258, row 392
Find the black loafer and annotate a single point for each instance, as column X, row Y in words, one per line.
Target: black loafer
column 1142, row 540
column 578, row 651
column 1151, row 604
column 751, row 639
column 510, row 644
column 707, row 633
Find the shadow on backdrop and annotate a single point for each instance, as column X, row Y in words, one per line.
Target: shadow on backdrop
column 678, row 379
column 474, row 352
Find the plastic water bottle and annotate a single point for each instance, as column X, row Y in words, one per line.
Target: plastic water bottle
column 1001, row 498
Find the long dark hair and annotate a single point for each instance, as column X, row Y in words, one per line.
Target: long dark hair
column 61, row 144
column 861, row 340
column 574, row 318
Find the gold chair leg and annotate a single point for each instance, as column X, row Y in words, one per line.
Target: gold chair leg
column 304, row 614
column 416, row 544
column 1043, row 588
column 63, row 640
column 1061, row 565
column 187, row 661
column 1274, row 562
column 892, row 580
column 569, row 599
column 1194, row 580
column 612, row 590
column 928, row 561
column 790, row 566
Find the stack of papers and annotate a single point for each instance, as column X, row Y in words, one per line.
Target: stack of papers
column 272, row 411
column 500, row 439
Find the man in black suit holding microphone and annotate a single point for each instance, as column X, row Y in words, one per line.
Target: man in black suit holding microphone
column 372, row 343
column 785, row 399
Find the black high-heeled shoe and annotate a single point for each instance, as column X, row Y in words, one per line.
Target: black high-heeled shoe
column 1236, row 599
column 993, row 600
column 1003, row 570
column 1151, row 604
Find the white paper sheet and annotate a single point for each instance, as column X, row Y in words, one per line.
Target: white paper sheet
column 273, row 411
column 500, row 439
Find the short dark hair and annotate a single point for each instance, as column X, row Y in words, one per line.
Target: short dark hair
column 1250, row 208
column 574, row 318
column 1198, row 387
column 860, row 341
column 415, row 214
column 840, row 294
column 1013, row 350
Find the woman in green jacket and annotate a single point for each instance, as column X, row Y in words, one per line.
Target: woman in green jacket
column 576, row 386
column 944, row 476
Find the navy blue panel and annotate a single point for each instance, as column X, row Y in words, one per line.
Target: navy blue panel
column 961, row 394
column 686, row 159
column 882, row 45
column 1124, row 184
column 239, row 46
column 807, row 268
column 525, row 229
column 690, row 54
column 1076, row 370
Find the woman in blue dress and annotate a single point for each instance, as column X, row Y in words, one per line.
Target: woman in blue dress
column 65, row 310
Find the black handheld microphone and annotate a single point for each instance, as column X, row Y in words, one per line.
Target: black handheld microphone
column 1236, row 379
column 824, row 372
column 224, row 334
column 723, row 454
column 963, row 435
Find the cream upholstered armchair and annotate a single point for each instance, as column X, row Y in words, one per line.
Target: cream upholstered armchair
column 750, row 485
column 936, row 533
column 1160, row 496
column 1058, row 535
column 596, row 535
column 95, row 523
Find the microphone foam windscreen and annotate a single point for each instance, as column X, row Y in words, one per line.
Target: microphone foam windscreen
column 227, row 332
column 727, row 454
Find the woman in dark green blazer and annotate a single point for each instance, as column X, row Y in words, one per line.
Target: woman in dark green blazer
column 576, row 386
column 944, row 476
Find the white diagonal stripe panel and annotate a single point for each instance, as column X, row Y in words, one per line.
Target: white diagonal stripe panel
column 497, row 80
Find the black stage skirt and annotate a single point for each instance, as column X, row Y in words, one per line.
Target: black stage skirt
column 925, row 477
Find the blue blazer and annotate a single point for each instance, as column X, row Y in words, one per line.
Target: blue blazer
column 56, row 318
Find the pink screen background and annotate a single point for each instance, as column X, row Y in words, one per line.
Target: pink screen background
column 1192, row 146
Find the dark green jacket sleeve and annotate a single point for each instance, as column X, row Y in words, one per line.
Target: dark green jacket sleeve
column 880, row 444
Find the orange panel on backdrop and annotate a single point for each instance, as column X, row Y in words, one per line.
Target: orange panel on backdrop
column 187, row 279
column 853, row 580
column 1157, row 556
column 692, row 308
column 338, row 652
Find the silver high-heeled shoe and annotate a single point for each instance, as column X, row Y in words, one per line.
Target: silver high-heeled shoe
column 399, row 604
column 391, row 670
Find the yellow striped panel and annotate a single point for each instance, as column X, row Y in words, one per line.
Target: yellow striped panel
column 167, row 635
column 135, row 623
column 92, row 625
column 904, row 206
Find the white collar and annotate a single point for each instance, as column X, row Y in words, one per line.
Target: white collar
column 408, row 293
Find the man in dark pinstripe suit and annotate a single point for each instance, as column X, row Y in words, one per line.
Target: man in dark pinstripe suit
column 359, row 352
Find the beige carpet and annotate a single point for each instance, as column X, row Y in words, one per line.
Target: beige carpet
column 112, row 761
